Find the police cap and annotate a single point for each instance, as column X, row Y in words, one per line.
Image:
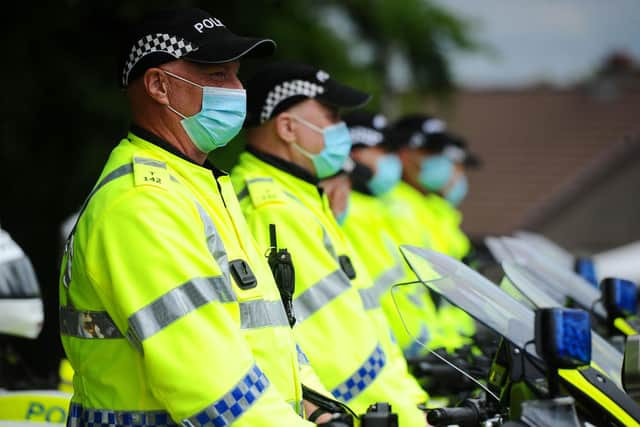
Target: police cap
column 190, row 34
column 278, row 86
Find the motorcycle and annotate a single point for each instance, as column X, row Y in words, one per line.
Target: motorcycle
column 542, row 374
column 22, row 401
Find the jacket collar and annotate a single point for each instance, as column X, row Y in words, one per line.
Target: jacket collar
column 154, row 139
column 284, row 165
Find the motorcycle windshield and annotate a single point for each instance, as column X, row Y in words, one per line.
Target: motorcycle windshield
column 548, row 248
column 474, row 294
column 17, row 278
column 522, row 281
column 556, row 281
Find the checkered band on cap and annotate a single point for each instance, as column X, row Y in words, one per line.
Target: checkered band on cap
column 361, row 379
column 159, row 42
column 286, row 90
column 455, row 154
column 365, row 135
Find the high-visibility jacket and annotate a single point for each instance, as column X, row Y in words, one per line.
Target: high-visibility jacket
column 169, row 312
column 346, row 349
column 448, row 220
column 410, row 313
column 373, row 246
column 411, row 222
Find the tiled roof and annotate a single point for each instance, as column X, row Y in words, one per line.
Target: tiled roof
column 534, row 143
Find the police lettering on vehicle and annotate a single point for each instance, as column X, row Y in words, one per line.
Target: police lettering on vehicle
column 207, row 23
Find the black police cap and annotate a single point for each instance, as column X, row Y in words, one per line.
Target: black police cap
column 191, row 34
column 278, row 86
column 418, row 131
column 366, row 129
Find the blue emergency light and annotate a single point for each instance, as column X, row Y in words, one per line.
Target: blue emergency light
column 585, row 268
column 563, row 337
column 620, row 297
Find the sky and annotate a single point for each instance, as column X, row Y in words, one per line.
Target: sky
column 556, row 41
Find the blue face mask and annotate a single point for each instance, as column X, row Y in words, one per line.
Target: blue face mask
column 458, row 191
column 337, row 145
column 220, row 118
column 388, row 174
column 435, row 172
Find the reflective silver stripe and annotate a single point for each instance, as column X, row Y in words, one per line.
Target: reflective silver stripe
column 87, row 324
column 175, row 304
column 150, row 162
column 243, row 193
column 320, row 294
column 68, row 246
column 261, row 313
column 232, row 405
column 214, row 241
column 302, row 357
column 371, row 296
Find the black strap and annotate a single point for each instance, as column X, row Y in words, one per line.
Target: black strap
column 316, row 414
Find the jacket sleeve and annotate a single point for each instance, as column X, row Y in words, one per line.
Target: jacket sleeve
column 153, row 271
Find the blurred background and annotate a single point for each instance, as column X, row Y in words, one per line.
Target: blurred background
column 546, row 92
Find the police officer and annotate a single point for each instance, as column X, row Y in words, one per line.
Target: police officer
column 295, row 138
column 421, row 142
column 169, row 313
column 376, row 172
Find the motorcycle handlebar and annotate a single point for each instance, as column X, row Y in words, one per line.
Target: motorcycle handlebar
column 462, row 416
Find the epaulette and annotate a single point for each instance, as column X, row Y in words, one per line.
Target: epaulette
column 150, row 171
column 263, row 191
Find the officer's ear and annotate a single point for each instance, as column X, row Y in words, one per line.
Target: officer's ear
column 156, row 84
column 285, row 127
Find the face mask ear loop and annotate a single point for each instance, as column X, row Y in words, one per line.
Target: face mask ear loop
column 302, row 151
column 175, row 76
column 176, row 111
column 306, row 123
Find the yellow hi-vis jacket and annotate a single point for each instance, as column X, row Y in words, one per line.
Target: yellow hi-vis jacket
column 410, row 222
column 160, row 318
column 346, row 348
column 447, row 218
column 412, row 317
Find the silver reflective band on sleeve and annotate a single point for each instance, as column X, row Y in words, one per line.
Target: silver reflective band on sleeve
column 87, row 324
column 214, row 241
column 232, row 405
column 320, row 294
column 371, row 296
column 261, row 314
column 175, row 304
column 362, row 377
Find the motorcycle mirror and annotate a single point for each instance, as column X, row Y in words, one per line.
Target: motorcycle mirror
column 586, row 268
column 620, row 297
column 631, row 366
column 563, row 337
